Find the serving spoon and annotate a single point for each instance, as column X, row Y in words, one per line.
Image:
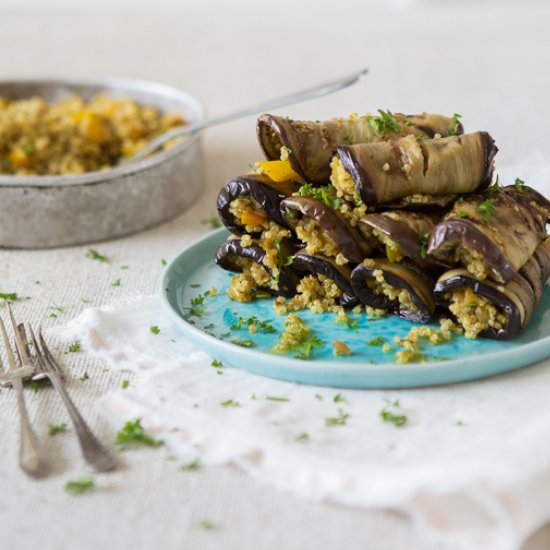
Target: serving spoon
column 317, row 91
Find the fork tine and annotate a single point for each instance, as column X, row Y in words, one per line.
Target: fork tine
column 48, row 355
column 20, row 347
column 12, row 365
column 40, row 360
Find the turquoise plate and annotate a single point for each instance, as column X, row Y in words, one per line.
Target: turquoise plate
column 193, row 272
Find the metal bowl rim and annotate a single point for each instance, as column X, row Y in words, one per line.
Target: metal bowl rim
column 104, row 176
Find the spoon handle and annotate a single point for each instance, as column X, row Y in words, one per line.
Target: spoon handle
column 317, row 91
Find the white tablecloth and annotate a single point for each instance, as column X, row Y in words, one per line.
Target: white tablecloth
column 488, row 61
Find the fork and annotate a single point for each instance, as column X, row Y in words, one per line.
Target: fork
column 30, row 458
column 94, row 452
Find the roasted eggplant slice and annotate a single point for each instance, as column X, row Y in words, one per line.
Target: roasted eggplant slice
column 402, row 289
column 249, row 261
column 246, row 204
column 492, row 234
column 492, row 310
column 324, row 285
column 400, row 235
column 324, row 230
column 422, row 203
column 310, row 145
column 384, row 171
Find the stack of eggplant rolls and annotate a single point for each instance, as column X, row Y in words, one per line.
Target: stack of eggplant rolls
column 386, row 213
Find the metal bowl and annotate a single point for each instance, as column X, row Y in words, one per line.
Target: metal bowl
column 48, row 211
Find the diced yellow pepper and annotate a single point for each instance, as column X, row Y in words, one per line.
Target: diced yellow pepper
column 393, row 253
column 19, row 158
column 251, row 218
column 91, row 126
column 278, row 170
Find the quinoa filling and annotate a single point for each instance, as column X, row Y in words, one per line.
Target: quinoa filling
column 394, row 252
column 475, row 313
column 317, row 241
column 475, row 264
column 380, row 287
column 342, row 180
column 249, row 214
column 318, row 293
column 244, row 286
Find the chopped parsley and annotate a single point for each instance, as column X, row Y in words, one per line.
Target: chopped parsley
column 154, row 329
column 125, row 384
column 205, row 524
column 455, row 128
column 339, row 420
column 495, row 187
column 303, row 437
column 424, row 237
column 191, row 466
column 520, row 186
column 55, row 310
column 273, row 398
column 39, row 384
column 216, row 363
column 377, row 341
column 387, row 415
column 197, row 304
column 230, row 403
column 461, row 213
column 487, row 208
column 338, row 398
column 95, row 255
column 116, row 282
column 262, row 326
column 348, row 140
column 163, row 261
column 84, row 377
column 75, row 346
column 243, row 342
column 133, row 434
column 290, row 213
column 213, row 222
column 54, row 429
column 80, row 485
column 195, row 285
column 326, row 194
column 384, row 123
column 8, row 296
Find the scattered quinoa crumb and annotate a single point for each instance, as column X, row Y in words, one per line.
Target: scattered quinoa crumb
column 386, row 167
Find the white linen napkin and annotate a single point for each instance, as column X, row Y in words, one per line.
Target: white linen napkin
column 471, row 465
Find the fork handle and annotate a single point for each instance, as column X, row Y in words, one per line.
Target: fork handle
column 94, row 452
column 29, row 457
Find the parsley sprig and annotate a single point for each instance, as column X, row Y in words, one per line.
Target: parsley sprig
column 520, row 186
column 339, row 420
column 455, row 128
column 487, row 208
column 384, row 123
column 80, row 485
column 424, row 237
column 326, row 194
column 133, row 434
column 388, row 415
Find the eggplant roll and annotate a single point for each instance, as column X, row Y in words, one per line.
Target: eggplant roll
column 246, row 204
column 402, row 289
column 384, row 171
column 249, row 260
column 400, row 234
column 310, row 145
column 422, row 203
column 492, row 234
column 492, row 310
column 323, row 283
column 324, row 230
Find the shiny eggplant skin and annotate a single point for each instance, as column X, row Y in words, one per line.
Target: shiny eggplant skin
column 232, row 248
column 505, row 237
column 351, row 243
column 312, row 144
column 317, row 264
column 422, row 203
column 258, row 187
column 409, row 230
column 390, row 170
column 519, row 297
column 419, row 284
